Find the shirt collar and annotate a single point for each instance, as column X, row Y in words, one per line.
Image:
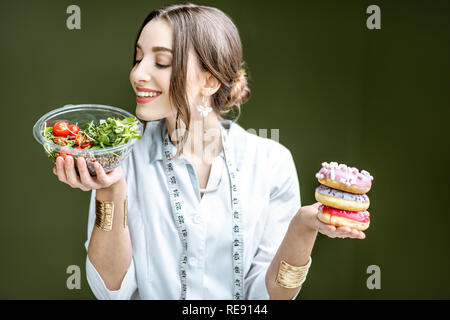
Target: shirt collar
column 158, row 134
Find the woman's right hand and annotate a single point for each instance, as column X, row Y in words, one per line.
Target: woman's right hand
column 65, row 170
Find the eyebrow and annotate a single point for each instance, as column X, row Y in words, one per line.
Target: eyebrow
column 156, row 49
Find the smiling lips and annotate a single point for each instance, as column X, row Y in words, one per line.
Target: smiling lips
column 145, row 95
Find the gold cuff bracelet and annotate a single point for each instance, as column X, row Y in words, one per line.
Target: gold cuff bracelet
column 125, row 218
column 104, row 214
column 292, row 276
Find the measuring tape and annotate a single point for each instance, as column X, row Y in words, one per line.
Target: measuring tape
column 178, row 214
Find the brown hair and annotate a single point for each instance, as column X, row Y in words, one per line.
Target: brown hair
column 216, row 43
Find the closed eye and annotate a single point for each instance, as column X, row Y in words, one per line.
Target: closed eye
column 161, row 66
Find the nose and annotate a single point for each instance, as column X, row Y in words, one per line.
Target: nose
column 139, row 75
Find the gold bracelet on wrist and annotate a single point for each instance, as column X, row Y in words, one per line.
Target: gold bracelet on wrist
column 104, row 214
column 292, row 276
column 125, row 218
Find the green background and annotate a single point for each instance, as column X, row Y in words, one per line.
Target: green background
column 374, row 99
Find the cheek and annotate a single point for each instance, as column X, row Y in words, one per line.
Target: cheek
column 164, row 78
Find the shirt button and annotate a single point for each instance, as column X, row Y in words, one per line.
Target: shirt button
column 192, row 262
column 197, row 219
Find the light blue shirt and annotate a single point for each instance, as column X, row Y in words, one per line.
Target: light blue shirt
column 270, row 197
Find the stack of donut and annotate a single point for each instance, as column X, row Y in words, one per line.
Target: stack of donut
column 342, row 194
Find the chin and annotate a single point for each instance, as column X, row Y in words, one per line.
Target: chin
column 146, row 113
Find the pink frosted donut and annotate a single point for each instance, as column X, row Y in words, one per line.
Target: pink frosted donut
column 354, row 220
column 341, row 177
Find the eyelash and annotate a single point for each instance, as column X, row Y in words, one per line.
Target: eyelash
column 159, row 66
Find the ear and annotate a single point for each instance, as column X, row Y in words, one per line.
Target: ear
column 210, row 84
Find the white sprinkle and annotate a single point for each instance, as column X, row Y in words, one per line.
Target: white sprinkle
column 319, row 176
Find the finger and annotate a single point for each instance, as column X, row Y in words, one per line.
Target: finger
column 336, row 231
column 347, row 232
column 60, row 169
column 115, row 173
column 355, row 233
column 344, row 230
column 71, row 175
column 102, row 178
column 328, row 230
column 86, row 180
column 54, row 170
column 352, row 233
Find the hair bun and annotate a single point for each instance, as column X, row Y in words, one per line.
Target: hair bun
column 240, row 93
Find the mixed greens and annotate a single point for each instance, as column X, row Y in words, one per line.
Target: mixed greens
column 111, row 132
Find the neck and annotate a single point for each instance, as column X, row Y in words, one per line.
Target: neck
column 204, row 141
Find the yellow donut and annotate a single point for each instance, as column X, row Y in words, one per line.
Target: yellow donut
column 341, row 200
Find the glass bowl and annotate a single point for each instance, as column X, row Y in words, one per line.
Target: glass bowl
column 80, row 114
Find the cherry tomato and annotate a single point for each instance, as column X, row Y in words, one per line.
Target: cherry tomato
column 78, row 147
column 74, row 129
column 80, row 139
column 87, row 144
column 61, row 129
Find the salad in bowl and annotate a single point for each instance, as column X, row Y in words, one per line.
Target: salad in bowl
column 95, row 132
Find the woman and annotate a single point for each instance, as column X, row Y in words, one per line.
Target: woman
column 202, row 209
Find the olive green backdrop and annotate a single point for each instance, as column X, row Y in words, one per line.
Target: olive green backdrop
column 374, row 99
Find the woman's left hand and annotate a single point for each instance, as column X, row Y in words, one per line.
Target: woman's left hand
column 307, row 216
